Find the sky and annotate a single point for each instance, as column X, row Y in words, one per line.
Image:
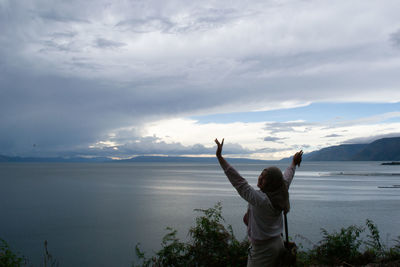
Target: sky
column 126, row 78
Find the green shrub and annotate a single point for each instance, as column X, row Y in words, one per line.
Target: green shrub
column 346, row 247
column 9, row 258
column 213, row 244
column 393, row 253
column 339, row 247
column 210, row 244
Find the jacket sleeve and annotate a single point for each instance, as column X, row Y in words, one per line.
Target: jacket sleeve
column 246, row 191
column 289, row 174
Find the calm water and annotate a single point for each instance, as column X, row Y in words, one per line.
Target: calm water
column 94, row 214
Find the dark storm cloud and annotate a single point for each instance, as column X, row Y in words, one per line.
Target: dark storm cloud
column 395, row 39
column 84, row 63
column 146, row 25
column 104, row 43
column 54, row 112
column 73, row 72
column 272, row 150
column 55, row 16
column 273, row 139
column 53, row 45
column 60, row 114
column 196, row 20
column 332, row 135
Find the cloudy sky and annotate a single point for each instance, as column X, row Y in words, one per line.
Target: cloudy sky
column 126, row 78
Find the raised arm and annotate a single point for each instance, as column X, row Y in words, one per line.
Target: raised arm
column 289, row 172
column 245, row 190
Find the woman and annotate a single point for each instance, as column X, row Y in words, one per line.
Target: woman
column 264, row 215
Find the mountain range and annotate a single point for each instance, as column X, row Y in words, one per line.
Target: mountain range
column 385, row 149
column 162, row 159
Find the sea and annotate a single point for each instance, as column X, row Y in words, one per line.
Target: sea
column 94, row 214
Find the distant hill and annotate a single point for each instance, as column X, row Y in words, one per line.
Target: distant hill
column 135, row 159
column 382, row 149
column 335, row 153
column 385, row 149
column 189, row 159
column 55, row 159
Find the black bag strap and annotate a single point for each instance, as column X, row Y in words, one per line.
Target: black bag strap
column 286, row 228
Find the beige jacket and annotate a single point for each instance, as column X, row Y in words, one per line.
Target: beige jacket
column 264, row 221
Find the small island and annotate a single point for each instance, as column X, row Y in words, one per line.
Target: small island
column 391, row 163
column 393, row 186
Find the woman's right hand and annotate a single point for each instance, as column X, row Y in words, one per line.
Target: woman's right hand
column 297, row 158
column 219, row 147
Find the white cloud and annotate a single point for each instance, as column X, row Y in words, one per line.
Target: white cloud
column 251, row 135
column 73, row 72
column 188, row 132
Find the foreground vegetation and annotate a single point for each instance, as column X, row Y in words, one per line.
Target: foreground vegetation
column 8, row 258
column 211, row 243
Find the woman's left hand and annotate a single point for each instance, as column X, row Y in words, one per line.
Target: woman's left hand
column 219, row 147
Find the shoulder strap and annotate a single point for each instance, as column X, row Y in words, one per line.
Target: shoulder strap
column 286, row 228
